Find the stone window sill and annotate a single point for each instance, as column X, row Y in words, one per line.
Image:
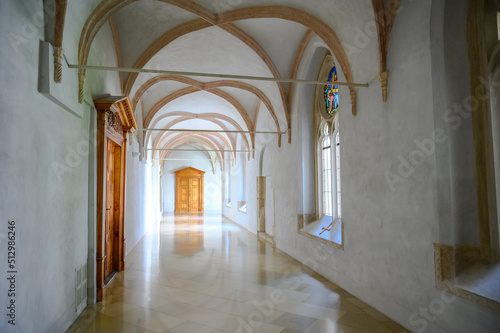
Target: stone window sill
column 482, row 280
column 316, row 230
column 242, row 206
column 476, row 282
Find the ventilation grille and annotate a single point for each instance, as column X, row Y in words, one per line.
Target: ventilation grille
column 81, row 288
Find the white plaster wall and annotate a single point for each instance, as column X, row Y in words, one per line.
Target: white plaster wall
column 247, row 220
column 142, row 203
column 44, row 163
column 455, row 164
column 388, row 256
column 44, row 178
column 212, row 186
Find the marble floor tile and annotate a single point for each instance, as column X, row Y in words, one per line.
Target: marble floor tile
column 200, row 273
column 150, row 319
column 190, row 327
column 294, row 321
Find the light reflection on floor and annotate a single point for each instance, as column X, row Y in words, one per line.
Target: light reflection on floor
column 201, row 273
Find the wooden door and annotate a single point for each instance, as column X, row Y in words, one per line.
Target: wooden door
column 189, row 190
column 108, row 224
column 183, row 193
column 194, row 194
column 115, row 118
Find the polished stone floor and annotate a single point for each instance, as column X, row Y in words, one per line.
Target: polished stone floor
column 201, row 273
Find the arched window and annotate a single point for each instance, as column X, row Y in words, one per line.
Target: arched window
column 323, row 220
column 329, row 158
column 329, row 189
column 326, row 172
column 337, row 170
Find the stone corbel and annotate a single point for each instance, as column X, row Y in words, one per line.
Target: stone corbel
column 81, row 85
column 58, row 58
column 385, row 14
column 384, row 78
column 58, row 38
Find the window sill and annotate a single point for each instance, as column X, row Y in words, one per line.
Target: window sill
column 482, row 280
column 242, row 206
column 475, row 281
column 316, row 230
column 228, row 205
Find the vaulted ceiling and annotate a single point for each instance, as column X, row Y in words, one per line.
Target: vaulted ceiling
column 233, row 37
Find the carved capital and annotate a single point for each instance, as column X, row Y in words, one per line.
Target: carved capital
column 384, row 78
column 58, row 58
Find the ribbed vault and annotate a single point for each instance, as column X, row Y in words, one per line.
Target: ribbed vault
column 199, row 40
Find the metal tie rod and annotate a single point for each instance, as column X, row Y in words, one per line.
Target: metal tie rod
column 188, row 159
column 205, row 131
column 213, row 75
column 180, row 149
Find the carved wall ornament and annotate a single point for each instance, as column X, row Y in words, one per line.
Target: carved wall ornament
column 114, row 121
column 384, row 78
column 58, row 57
column 58, row 38
column 81, row 86
column 385, row 14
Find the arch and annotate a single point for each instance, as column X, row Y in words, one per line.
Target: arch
column 298, row 57
column 161, row 138
column 185, row 137
column 182, row 30
column 105, row 10
column 208, row 86
column 205, row 116
column 189, row 90
column 214, row 159
column 224, row 20
column 189, row 138
column 298, row 16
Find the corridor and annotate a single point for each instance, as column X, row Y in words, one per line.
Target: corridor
column 200, row 273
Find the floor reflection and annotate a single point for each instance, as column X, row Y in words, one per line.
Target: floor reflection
column 202, row 273
column 189, row 233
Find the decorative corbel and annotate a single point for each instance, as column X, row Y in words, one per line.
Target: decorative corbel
column 81, row 85
column 58, row 38
column 58, row 57
column 384, row 18
column 384, row 78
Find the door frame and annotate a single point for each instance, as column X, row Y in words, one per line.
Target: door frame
column 189, row 173
column 115, row 119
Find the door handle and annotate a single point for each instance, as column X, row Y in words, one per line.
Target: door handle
column 109, row 208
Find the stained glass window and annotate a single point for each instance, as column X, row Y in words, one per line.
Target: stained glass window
column 332, row 93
